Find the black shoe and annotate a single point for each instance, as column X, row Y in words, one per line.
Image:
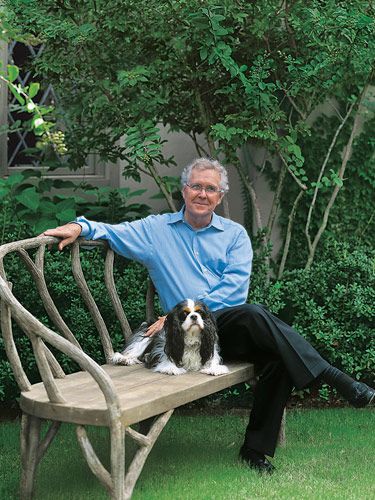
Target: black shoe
column 363, row 395
column 256, row 460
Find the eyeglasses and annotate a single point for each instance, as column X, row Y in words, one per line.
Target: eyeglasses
column 198, row 188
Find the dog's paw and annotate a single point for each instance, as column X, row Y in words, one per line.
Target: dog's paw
column 120, row 359
column 170, row 370
column 215, row 370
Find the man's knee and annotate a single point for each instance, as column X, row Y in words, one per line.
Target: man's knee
column 251, row 310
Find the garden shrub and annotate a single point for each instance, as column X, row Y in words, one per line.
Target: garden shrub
column 331, row 305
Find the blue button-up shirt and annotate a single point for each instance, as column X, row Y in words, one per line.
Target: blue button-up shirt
column 212, row 264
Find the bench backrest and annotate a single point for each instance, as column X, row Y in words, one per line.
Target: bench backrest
column 60, row 337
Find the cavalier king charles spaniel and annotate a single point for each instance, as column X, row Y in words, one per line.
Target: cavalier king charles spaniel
column 188, row 341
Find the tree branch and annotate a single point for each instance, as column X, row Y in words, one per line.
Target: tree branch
column 289, row 234
column 324, row 164
column 276, row 201
column 300, row 184
column 347, row 154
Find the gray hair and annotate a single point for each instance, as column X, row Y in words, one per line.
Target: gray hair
column 206, row 164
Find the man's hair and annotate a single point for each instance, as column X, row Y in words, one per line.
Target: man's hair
column 206, row 164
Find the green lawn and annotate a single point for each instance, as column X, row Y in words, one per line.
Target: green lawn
column 329, row 455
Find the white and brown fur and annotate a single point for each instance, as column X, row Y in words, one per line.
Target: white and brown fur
column 188, row 341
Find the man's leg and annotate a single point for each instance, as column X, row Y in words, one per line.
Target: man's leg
column 250, row 332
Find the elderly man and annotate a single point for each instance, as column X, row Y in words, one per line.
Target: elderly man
column 197, row 254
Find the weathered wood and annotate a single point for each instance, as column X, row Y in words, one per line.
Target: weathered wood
column 34, row 327
column 48, row 438
column 11, row 349
column 30, row 429
column 112, row 292
column 139, row 438
column 92, row 459
column 49, row 383
column 141, row 455
column 56, row 369
column 90, row 303
column 141, row 392
column 112, row 396
column 118, row 460
column 36, row 271
column 282, row 436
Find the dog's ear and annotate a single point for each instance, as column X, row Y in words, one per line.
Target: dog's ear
column 208, row 340
column 208, row 336
column 174, row 338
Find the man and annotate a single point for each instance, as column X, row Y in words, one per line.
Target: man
column 197, row 254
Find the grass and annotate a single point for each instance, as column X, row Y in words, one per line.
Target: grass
column 329, row 455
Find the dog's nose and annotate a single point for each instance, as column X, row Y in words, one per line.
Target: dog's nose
column 193, row 317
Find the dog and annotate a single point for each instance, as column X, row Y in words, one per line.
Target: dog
column 188, row 341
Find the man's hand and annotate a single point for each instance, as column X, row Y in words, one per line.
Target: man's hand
column 68, row 234
column 155, row 327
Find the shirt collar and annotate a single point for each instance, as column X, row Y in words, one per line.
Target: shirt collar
column 179, row 217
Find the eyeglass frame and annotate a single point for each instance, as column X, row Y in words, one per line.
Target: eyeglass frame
column 201, row 188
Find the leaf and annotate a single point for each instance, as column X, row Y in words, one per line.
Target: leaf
column 3, row 192
column 68, row 203
column 48, row 207
column 203, row 53
column 66, row 215
column 137, row 192
column 59, row 183
column 29, row 198
column 14, row 179
column 43, row 224
column 26, row 174
column 13, row 72
column 33, row 89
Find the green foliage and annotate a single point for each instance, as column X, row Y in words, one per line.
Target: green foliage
column 353, row 214
column 24, row 202
column 331, row 305
column 237, row 72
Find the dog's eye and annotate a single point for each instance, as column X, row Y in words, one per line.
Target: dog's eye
column 200, row 312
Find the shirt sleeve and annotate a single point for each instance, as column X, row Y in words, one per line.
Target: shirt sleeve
column 232, row 289
column 129, row 239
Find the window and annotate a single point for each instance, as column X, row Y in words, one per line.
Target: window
column 12, row 146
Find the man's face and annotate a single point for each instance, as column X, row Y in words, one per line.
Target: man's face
column 199, row 205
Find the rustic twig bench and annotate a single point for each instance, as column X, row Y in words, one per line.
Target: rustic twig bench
column 113, row 396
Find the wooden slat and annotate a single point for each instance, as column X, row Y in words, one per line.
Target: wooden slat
column 142, row 393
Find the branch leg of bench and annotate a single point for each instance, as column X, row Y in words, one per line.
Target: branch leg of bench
column 146, row 443
column 282, row 436
column 114, row 482
column 32, row 450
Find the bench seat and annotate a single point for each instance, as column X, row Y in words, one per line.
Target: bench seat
column 142, row 393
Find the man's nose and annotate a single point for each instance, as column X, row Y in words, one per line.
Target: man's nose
column 202, row 193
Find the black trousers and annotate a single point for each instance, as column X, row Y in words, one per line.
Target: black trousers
column 282, row 357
